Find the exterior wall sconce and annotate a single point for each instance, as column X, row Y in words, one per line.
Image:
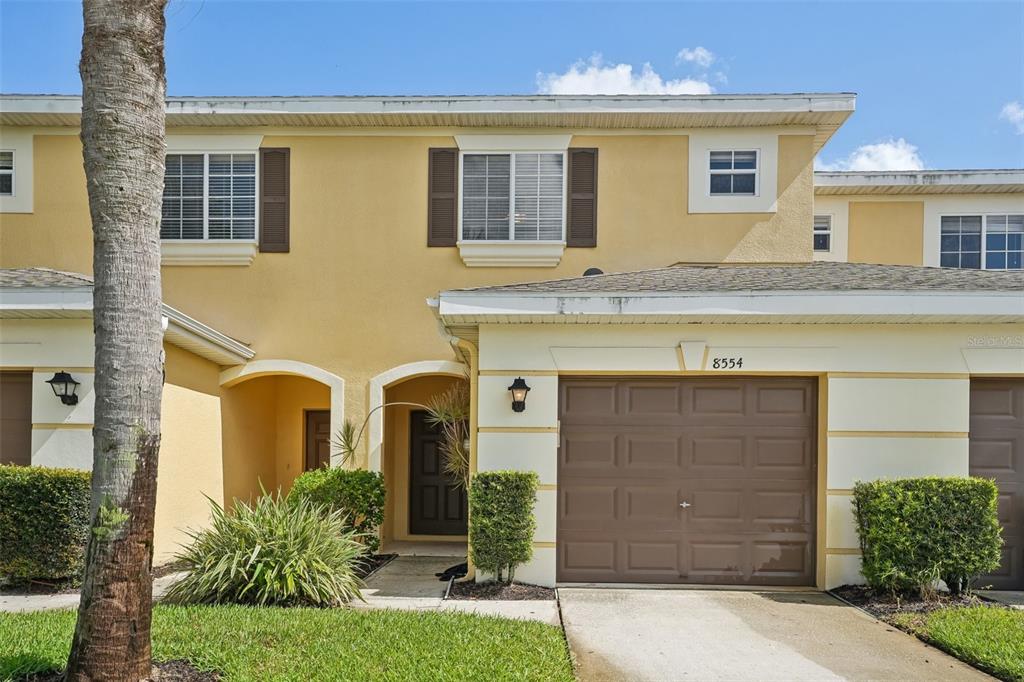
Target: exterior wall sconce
column 519, row 389
column 64, row 387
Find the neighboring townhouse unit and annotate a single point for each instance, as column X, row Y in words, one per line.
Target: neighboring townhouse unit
column 947, row 218
column 699, row 414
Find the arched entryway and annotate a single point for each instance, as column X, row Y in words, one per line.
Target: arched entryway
column 422, row 507
column 277, row 419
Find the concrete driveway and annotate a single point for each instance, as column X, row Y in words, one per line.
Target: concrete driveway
column 684, row 634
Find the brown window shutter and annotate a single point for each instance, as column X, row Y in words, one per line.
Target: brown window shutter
column 581, row 227
column 275, row 199
column 442, row 199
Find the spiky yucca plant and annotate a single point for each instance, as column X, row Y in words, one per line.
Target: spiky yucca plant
column 274, row 551
column 449, row 411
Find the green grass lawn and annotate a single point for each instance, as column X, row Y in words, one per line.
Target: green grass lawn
column 314, row 644
column 990, row 638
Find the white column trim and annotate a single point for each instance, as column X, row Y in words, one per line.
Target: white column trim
column 257, row 368
column 393, row 376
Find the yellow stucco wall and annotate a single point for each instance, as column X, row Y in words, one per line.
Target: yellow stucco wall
column 890, row 232
column 190, row 449
column 396, row 451
column 349, row 297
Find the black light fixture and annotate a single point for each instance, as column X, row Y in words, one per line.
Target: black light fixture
column 519, row 389
column 64, row 387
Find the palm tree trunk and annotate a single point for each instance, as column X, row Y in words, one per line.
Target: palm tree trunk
column 123, row 93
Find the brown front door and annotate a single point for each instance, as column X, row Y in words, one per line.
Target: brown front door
column 436, row 505
column 997, row 451
column 16, row 418
column 687, row 481
column 318, row 439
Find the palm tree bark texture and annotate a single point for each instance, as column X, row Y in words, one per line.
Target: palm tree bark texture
column 123, row 106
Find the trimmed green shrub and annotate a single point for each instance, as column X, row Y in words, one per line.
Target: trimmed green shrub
column 916, row 531
column 501, row 520
column 271, row 552
column 44, row 523
column 357, row 493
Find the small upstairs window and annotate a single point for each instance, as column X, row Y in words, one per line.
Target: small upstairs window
column 209, row 197
column 732, row 173
column 7, row 173
column 515, row 196
column 823, row 233
column 990, row 242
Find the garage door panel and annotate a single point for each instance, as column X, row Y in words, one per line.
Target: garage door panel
column 739, row 452
column 997, row 452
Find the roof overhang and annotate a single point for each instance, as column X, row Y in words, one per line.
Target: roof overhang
column 995, row 181
column 823, row 111
column 185, row 332
column 467, row 308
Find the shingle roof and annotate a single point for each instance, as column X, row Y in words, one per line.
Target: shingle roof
column 819, row 276
column 42, row 277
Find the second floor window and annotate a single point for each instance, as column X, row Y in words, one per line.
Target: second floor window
column 822, row 233
column 513, row 196
column 733, row 173
column 7, row 174
column 992, row 242
column 209, row 196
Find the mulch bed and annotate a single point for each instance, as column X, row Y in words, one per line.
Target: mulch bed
column 39, row 587
column 884, row 605
column 512, row 592
column 168, row 569
column 167, row 671
column 372, row 563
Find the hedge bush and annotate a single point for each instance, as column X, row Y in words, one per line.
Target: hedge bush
column 916, row 531
column 44, row 523
column 501, row 520
column 271, row 552
column 358, row 494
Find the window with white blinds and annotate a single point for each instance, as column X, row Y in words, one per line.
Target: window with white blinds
column 513, row 197
column 209, row 196
column 822, row 233
column 991, row 242
column 7, row 174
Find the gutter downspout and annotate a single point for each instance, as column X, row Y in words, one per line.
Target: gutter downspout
column 472, row 354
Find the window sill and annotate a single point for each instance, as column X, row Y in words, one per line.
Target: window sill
column 207, row 253
column 511, row 254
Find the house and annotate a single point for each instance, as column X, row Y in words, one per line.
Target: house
column 697, row 414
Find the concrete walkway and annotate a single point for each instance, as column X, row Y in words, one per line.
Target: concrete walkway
column 1011, row 598
column 18, row 603
column 668, row 634
column 408, row 583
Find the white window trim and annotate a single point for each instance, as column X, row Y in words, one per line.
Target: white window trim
column 830, row 232
column 13, row 172
column 512, row 252
column 20, row 142
column 733, row 171
column 984, row 234
column 213, row 251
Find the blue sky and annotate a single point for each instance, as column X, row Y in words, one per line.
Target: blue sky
column 940, row 84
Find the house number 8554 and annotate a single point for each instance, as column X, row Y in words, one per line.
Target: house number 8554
column 727, row 363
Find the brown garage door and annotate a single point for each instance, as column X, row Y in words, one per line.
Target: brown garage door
column 997, row 451
column 16, row 418
column 739, row 452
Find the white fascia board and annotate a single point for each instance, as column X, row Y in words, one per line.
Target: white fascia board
column 44, row 299
column 189, row 330
column 918, row 178
column 795, row 102
column 738, row 304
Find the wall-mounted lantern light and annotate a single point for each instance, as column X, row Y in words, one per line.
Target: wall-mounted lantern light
column 519, row 389
column 64, row 387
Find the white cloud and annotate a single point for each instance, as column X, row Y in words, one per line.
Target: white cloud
column 701, row 56
column 594, row 77
column 1014, row 113
column 881, row 156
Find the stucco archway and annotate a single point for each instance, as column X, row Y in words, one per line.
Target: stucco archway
column 389, row 378
column 260, row 368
